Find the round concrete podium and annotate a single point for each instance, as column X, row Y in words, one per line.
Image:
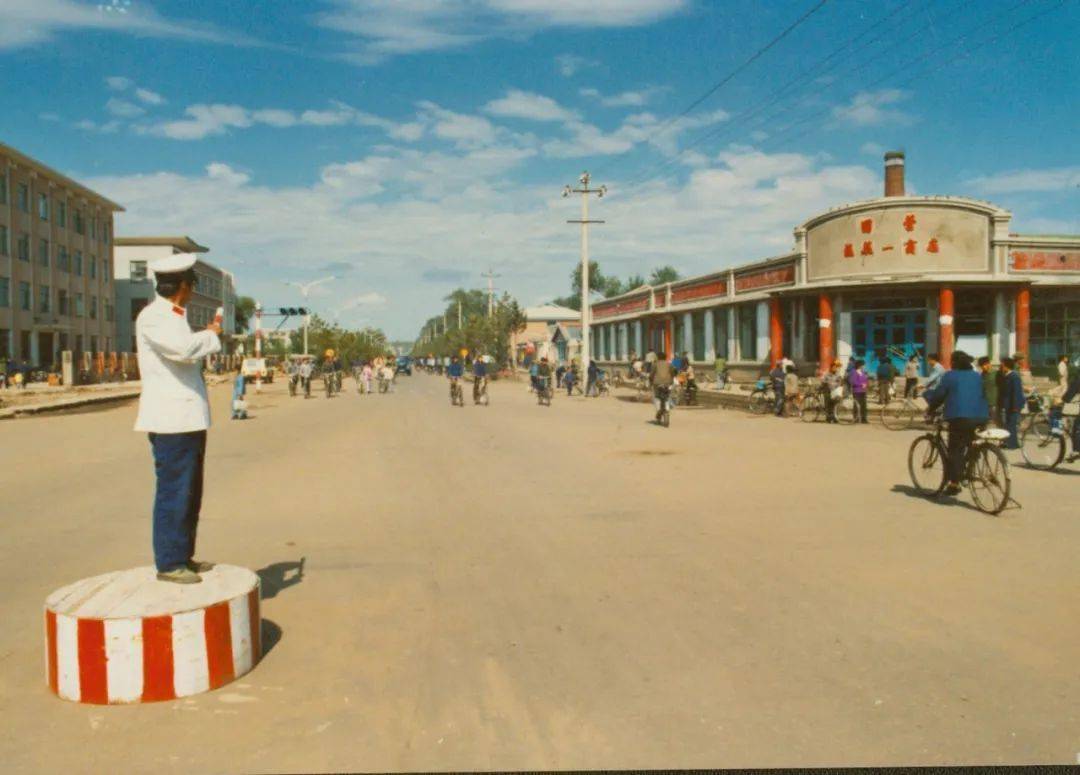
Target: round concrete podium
column 125, row 637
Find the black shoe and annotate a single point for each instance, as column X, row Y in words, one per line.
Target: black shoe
column 952, row 489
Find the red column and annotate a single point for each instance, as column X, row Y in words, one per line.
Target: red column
column 946, row 313
column 776, row 331
column 825, row 333
column 669, row 335
column 1023, row 324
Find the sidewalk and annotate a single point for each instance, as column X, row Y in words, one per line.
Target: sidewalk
column 37, row 398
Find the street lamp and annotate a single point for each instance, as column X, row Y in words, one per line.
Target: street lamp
column 585, row 191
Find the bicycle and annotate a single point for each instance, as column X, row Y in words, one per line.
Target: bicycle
column 986, row 469
column 642, row 386
column 1045, row 448
column 480, row 394
column 543, row 391
column 763, row 397
column 601, row 385
column 901, row 412
column 812, row 404
column 663, row 414
column 457, row 397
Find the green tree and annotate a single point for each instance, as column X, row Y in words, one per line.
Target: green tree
column 664, row 274
column 244, row 312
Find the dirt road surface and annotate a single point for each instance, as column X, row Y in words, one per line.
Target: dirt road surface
column 518, row 587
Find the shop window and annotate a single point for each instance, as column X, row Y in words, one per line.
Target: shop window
column 720, row 332
column 972, row 313
column 747, row 322
column 698, row 332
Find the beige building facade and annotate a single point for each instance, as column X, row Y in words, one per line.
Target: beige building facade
column 56, row 255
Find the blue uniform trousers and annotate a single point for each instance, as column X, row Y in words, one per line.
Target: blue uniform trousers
column 178, row 464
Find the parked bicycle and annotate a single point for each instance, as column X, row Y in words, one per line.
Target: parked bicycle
column 986, row 470
column 763, row 397
column 902, row 412
column 1044, row 448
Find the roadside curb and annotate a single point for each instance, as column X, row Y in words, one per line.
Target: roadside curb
column 68, row 403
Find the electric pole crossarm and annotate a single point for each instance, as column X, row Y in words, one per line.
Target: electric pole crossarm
column 584, row 221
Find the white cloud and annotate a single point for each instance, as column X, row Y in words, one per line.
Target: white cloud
column 872, row 149
column 383, row 28
column 589, row 140
column 118, row 82
column 529, row 106
column 1027, row 181
column 571, row 64
column 463, row 130
column 122, row 108
column 872, row 108
column 31, row 22
column 149, row 97
column 414, row 219
column 204, row 121
column 274, row 117
column 626, row 99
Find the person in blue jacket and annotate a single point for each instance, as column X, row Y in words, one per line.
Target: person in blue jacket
column 454, row 373
column 1011, row 400
column 961, row 392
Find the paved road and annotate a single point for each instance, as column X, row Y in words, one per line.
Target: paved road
column 521, row 587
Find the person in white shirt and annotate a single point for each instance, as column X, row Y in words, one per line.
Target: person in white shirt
column 174, row 411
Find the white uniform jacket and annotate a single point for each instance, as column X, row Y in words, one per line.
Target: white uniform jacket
column 173, row 398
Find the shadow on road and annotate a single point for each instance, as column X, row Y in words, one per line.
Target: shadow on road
column 941, row 500
column 276, row 577
column 269, row 635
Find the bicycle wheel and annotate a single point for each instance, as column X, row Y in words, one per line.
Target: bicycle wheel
column 759, row 402
column 926, row 465
column 897, row 415
column 1041, row 451
column 811, row 409
column 1039, row 424
column 847, row 412
column 665, row 417
column 988, row 478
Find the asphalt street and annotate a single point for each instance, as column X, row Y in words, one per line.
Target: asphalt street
column 519, row 587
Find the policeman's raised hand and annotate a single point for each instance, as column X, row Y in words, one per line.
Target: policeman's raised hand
column 215, row 327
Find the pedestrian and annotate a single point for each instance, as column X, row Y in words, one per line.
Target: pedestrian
column 534, row 370
column 937, row 371
column 1062, row 377
column 990, row 388
column 777, row 377
column 174, row 411
column 720, row 368
column 960, row 391
column 239, row 405
column 911, row 376
column 592, row 375
column 886, row 373
column 1011, row 399
column 791, row 389
column 832, row 384
column 859, row 383
column 568, row 379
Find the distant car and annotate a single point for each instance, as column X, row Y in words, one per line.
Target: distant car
column 253, row 368
column 404, row 366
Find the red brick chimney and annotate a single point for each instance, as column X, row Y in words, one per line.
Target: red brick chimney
column 894, row 173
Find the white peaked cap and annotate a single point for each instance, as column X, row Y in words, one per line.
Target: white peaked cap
column 178, row 262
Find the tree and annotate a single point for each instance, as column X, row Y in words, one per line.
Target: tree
column 634, row 281
column 244, row 312
column 664, row 274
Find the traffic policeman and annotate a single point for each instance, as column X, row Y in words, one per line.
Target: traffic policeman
column 174, row 411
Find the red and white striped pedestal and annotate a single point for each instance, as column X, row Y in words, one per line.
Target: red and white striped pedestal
column 126, row 637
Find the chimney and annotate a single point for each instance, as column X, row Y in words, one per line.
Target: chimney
column 894, row 173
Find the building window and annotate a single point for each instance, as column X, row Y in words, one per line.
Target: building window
column 61, row 214
column 4, row 240
column 43, row 207
column 80, row 222
column 747, row 323
column 110, row 312
column 93, row 344
column 63, row 259
column 105, row 274
column 24, row 295
column 79, row 311
column 5, row 337
column 62, row 302
column 137, row 270
column 3, row 189
column 1055, row 329
column 93, row 267
column 106, row 233
column 44, row 298
column 5, row 291
column 720, row 332
column 23, row 201
column 93, row 308
column 43, row 252
column 697, row 329
column 23, row 247
column 77, row 263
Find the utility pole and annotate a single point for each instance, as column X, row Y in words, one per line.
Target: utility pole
column 459, row 314
column 585, row 191
column 490, row 275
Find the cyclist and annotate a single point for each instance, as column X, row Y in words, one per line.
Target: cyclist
column 329, row 366
column 911, row 376
column 479, row 370
column 661, row 379
column 937, row 371
column 543, row 374
column 534, row 370
column 454, row 373
column 305, row 375
column 886, row 373
column 960, row 391
column 1070, row 394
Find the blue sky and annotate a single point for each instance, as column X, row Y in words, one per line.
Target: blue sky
column 405, row 146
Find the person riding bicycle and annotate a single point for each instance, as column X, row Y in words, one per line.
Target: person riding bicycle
column 543, row 374
column 304, row 371
column 454, row 372
column 534, row 370
column 689, row 380
column 479, row 370
column 937, row 371
column 661, row 380
column 886, row 373
column 1071, row 392
column 960, row 391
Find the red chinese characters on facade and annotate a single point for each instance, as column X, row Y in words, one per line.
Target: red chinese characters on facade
column 866, row 225
column 909, row 247
column 932, row 246
column 909, row 222
column 849, row 250
column 867, row 248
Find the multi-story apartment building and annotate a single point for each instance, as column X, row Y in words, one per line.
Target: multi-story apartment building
column 56, row 245
column 135, row 285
